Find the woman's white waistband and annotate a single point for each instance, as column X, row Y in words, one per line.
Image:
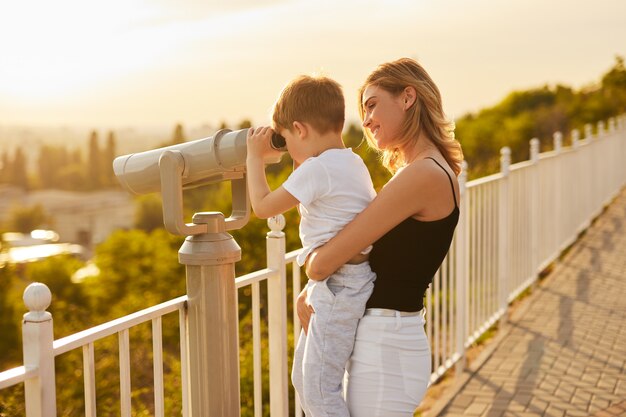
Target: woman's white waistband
column 385, row 312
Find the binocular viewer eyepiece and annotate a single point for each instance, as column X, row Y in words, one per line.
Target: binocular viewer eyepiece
column 278, row 142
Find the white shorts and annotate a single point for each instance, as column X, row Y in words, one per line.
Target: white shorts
column 390, row 367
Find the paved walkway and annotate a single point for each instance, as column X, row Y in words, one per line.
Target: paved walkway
column 565, row 351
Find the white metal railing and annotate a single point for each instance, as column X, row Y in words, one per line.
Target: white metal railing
column 512, row 225
column 40, row 350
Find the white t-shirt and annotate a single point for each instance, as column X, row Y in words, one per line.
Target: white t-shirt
column 332, row 188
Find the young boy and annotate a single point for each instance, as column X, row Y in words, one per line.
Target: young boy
column 330, row 185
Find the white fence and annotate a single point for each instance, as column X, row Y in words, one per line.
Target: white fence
column 513, row 224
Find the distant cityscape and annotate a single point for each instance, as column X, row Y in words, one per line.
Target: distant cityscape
column 130, row 139
column 79, row 221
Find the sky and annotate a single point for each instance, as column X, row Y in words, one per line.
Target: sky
column 116, row 63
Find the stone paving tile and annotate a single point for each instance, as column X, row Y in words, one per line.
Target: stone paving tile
column 565, row 355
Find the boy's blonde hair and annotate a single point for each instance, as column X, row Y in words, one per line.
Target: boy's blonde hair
column 317, row 101
column 425, row 116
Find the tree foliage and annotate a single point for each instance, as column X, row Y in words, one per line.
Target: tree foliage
column 26, row 219
column 63, row 168
column 538, row 113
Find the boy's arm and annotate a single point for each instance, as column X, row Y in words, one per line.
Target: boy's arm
column 265, row 202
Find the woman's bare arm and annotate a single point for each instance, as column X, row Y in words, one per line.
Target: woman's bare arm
column 402, row 197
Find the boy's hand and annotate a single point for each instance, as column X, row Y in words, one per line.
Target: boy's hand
column 265, row 202
column 259, row 143
column 304, row 310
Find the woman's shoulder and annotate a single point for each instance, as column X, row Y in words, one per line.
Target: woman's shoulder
column 431, row 179
column 424, row 170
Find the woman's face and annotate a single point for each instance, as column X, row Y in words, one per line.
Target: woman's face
column 384, row 115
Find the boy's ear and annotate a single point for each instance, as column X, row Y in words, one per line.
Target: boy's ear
column 301, row 129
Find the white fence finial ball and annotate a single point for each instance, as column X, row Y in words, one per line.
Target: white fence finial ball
column 505, row 160
column 534, row 150
column 37, row 297
column 612, row 124
column 463, row 177
column 276, row 225
column 464, row 168
column 558, row 141
column 575, row 138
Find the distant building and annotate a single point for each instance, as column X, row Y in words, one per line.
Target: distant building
column 9, row 197
column 85, row 218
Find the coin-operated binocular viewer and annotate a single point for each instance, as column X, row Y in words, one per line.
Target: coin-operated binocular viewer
column 209, row 254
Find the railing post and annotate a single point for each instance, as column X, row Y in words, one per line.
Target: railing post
column 601, row 174
column 575, row 139
column 623, row 142
column 613, row 159
column 578, row 180
column 601, row 130
column 534, row 207
column 612, row 125
column 277, row 318
column 589, row 161
column 213, row 341
column 558, row 193
column 620, row 140
column 503, row 232
column 461, row 251
column 38, row 338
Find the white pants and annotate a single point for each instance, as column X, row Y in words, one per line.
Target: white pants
column 389, row 369
column 320, row 358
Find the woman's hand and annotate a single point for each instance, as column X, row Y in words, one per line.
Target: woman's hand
column 258, row 143
column 304, row 310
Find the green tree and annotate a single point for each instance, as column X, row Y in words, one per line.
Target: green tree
column 5, row 168
column 179, row 135
column 539, row 113
column 107, row 160
column 245, row 124
column 71, row 313
column 94, row 163
column 9, row 354
column 27, row 219
column 72, row 177
column 76, row 157
column 138, row 270
column 69, row 306
column 19, row 175
column 52, row 160
column 148, row 212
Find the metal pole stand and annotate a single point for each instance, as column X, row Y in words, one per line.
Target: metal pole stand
column 213, row 344
column 209, row 254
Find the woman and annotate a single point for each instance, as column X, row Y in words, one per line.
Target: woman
column 410, row 224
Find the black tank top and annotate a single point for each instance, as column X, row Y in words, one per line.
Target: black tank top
column 407, row 257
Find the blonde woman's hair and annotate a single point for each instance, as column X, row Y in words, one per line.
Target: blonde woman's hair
column 317, row 101
column 425, row 116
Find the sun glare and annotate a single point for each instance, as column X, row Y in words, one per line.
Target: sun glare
column 53, row 50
